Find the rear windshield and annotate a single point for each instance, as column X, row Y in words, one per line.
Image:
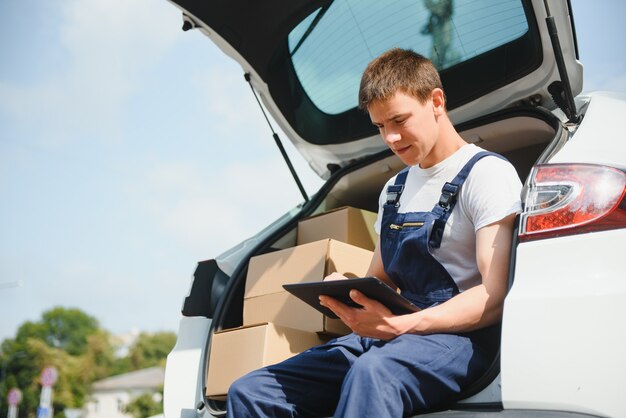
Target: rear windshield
column 331, row 47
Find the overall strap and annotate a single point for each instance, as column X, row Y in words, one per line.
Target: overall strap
column 394, row 191
column 448, row 198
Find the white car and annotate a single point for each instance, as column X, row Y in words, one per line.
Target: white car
column 513, row 84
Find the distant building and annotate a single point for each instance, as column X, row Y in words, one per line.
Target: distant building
column 109, row 396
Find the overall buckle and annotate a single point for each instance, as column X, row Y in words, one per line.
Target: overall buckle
column 393, row 194
column 449, row 192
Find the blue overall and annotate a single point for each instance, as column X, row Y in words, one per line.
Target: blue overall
column 353, row 376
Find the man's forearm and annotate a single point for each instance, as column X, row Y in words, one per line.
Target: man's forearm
column 473, row 309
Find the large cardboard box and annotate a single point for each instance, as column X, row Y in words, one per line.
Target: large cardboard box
column 265, row 300
column 238, row 351
column 347, row 224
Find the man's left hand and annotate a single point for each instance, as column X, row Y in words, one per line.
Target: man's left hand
column 373, row 320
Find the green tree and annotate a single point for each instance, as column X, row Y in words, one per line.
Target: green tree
column 151, row 349
column 72, row 342
column 67, row 339
column 99, row 360
column 144, row 405
column 24, row 371
column 63, row 328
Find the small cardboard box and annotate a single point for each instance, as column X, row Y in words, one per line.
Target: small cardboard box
column 238, row 351
column 265, row 300
column 347, row 224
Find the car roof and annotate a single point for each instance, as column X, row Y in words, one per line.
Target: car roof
column 304, row 59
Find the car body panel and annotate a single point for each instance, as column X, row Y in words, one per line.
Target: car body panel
column 183, row 383
column 555, row 330
column 595, row 140
column 563, row 340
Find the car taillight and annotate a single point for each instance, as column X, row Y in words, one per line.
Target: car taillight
column 565, row 199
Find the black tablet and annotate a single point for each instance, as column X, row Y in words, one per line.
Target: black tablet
column 371, row 287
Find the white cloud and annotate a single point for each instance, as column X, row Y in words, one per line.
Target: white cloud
column 209, row 212
column 128, row 33
column 151, row 299
column 230, row 105
column 243, row 187
column 105, row 66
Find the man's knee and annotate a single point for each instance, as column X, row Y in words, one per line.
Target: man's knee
column 256, row 395
column 370, row 365
column 242, row 400
column 241, row 389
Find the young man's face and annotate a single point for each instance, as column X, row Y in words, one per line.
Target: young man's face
column 408, row 127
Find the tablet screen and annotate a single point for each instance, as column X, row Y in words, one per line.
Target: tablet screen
column 371, row 287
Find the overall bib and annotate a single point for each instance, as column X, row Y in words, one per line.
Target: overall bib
column 355, row 376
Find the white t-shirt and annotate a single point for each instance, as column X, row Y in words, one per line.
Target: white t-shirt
column 490, row 193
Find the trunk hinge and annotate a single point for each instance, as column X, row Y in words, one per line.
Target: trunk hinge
column 278, row 143
column 561, row 91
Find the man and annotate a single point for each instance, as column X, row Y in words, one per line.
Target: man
column 445, row 227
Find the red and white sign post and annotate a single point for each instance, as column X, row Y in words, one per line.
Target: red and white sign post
column 48, row 378
column 14, row 397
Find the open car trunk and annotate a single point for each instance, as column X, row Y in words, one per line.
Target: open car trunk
column 523, row 135
column 304, row 59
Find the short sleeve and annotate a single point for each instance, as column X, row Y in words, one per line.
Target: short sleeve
column 491, row 192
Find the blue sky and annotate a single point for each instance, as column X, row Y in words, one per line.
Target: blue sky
column 130, row 150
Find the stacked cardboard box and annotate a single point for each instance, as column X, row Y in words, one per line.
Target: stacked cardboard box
column 276, row 324
column 238, row 351
column 265, row 300
column 346, row 224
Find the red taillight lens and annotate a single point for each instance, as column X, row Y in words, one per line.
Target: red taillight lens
column 565, row 199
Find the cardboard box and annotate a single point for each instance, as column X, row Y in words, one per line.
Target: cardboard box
column 347, row 224
column 285, row 309
column 265, row 300
column 305, row 263
column 236, row 352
